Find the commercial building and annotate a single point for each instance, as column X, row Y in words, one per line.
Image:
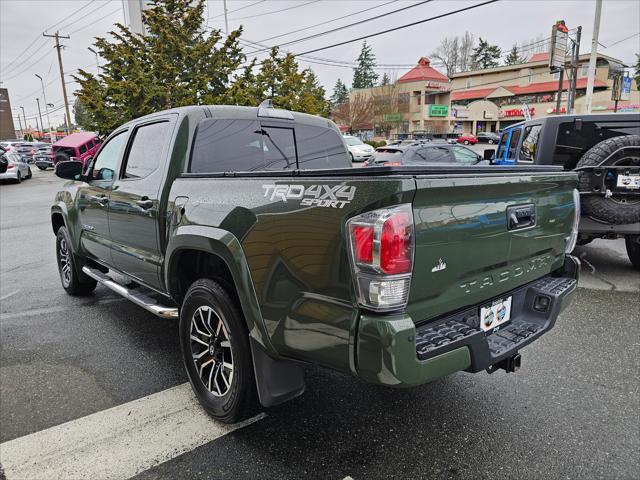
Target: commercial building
column 491, row 99
column 424, row 100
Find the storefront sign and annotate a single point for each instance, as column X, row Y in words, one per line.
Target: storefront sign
column 438, row 110
column 460, row 112
column 392, row 117
column 515, row 112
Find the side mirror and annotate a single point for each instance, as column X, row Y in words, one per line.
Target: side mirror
column 489, row 154
column 70, row 170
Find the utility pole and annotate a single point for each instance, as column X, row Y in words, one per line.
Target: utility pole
column 57, row 36
column 21, row 129
column 40, row 114
column 226, row 20
column 575, row 58
column 23, row 116
column 46, row 109
column 591, row 75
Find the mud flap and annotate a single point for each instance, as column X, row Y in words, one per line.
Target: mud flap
column 277, row 380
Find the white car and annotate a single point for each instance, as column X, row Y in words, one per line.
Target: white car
column 17, row 168
column 358, row 150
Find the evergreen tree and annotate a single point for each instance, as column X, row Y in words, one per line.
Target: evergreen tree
column 340, row 93
column 514, row 57
column 385, row 80
column 485, row 55
column 175, row 64
column 364, row 75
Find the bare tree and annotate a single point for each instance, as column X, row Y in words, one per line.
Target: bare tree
column 355, row 113
column 465, row 50
column 447, row 53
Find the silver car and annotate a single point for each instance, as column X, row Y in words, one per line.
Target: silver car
column 17, row 168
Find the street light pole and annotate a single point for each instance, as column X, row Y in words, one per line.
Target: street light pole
column 40, row 114
column 96, row 54
column 593, row 57
column 46, row 108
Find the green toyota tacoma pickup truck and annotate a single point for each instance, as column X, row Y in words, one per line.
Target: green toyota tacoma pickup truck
column 250, row 226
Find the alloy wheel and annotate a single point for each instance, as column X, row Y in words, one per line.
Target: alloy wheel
column 65, row 263
column 211, row 351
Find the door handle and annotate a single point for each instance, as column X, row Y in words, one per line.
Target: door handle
column 145, row 203
column 102, row 199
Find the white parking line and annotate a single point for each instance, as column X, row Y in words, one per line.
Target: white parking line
column 116, row 443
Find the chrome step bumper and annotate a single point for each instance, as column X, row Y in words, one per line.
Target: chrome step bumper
column 144, row 301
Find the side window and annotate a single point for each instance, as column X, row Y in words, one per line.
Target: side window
column 464, row 156
column 227, row 145
column 503, row 142
column 82, row 149
column 146, row 149
column 530, row 143
column 513, row 144
column 320, row 147
column 439, row 155
column 106, row 162
column 279, row 148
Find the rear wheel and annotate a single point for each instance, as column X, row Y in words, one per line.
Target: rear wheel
column 215, row 350
column 74, row 283
column 605, row 205
column 633, row 249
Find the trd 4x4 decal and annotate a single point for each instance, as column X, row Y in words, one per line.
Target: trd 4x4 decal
column 334, row 196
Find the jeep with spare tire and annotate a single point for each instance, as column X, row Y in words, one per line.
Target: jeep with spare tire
column 604, row 149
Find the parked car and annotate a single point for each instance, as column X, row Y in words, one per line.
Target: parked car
column 487, row 137
column 44, row 157
column 255, row 233
column 605, row 151
column 80, row 146
column 358, row 150
column 10, row 145
column 425, row 153
column 467, row 139
column 17, row 168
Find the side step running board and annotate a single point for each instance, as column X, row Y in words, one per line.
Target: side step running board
column 148, row 303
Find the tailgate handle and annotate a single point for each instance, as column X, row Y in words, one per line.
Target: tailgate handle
column 521, row 216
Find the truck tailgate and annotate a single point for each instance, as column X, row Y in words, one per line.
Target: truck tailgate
column 467, row 250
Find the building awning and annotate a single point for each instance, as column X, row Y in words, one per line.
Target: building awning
column 540, row 87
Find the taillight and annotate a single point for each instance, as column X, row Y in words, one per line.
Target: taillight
column 573, row 237
column 381, row 247
column 392, row 164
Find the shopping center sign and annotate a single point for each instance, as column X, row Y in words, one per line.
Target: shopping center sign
column 438, row 110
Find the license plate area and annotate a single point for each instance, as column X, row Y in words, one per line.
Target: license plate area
column 628, row 181
column 495, row 314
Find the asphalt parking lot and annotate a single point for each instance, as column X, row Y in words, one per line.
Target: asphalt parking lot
column 72, row 369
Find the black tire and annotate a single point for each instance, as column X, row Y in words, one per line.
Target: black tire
column 73, row 280
column 229, row 395
column 633, row 249
column 41, row 168
column 29, row 175
column 612, row 209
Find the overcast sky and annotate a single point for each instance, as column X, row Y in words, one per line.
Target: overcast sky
column 503, row 23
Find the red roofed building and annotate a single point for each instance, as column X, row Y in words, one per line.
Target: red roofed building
column 491, row 99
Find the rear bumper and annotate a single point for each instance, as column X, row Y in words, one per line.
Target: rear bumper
column 392, row 350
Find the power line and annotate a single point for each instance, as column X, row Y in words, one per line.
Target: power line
column 236, row 10
column 328, row 21
column 276, row 11
column 375, row 34
column 360, row 22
